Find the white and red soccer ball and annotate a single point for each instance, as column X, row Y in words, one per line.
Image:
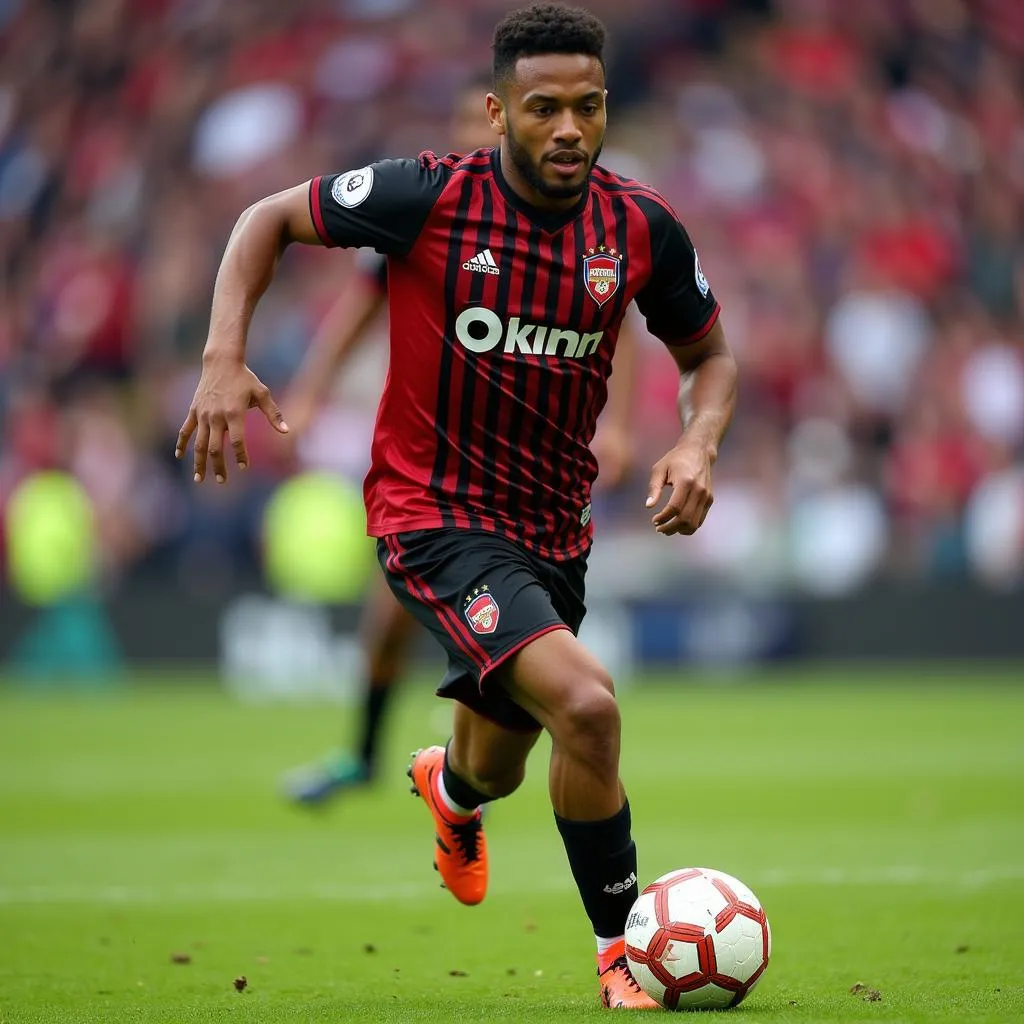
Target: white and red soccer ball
column 697, row 939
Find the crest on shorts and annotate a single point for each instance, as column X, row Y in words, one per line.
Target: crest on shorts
column 481, row 610
column 601, row 273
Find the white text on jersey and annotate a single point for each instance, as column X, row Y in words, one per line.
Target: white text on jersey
column 482, row 330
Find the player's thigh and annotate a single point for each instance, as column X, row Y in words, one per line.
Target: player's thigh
column 556, row 679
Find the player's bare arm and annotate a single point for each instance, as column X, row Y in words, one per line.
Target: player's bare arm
column 337, row 337
column 612, row 445
column 227, row 387
column 707, row 399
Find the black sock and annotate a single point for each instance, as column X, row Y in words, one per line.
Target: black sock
column 460, row 791
column 375, row 704
column 602, row 856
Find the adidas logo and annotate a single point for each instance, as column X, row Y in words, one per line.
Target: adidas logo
column 482, row 262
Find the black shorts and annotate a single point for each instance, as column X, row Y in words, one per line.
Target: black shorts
column 484, row 597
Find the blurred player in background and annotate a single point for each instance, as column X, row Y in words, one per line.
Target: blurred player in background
column 510, row 271
column 386, row 628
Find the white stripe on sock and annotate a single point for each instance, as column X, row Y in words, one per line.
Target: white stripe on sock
column 603, row 944
column 462, row 812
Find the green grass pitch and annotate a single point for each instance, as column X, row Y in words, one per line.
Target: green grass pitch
column 878, row 814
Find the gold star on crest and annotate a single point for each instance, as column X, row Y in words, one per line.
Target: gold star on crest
column 604, row 250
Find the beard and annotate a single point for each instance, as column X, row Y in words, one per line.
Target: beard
column 531, row 173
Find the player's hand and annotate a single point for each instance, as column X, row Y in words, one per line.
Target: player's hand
column 614, row 453
column 227, row 389
column 687, row 470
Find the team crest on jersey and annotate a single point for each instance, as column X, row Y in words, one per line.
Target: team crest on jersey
column 601, row 273
column 481, row 610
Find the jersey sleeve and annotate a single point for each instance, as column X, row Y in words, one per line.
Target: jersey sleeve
column 677, row 302
column 382, row 206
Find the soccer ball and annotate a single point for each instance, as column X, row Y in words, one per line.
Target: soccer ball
column 697, row 939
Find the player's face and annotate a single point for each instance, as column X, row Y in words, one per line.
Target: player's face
column 471, row 129
column 553, row 120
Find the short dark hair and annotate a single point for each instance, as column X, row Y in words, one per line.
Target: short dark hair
column 545, row 28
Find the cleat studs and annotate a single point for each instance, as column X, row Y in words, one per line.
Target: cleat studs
column 414, row 791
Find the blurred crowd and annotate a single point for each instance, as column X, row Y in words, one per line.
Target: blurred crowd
column 852, row 175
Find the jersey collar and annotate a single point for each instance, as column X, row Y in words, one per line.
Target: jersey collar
column 549, row 220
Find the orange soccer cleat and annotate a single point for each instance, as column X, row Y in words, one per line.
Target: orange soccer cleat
column 460, row 849
column 619, row 989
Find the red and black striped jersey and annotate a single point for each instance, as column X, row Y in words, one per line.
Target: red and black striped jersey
column 503, row 324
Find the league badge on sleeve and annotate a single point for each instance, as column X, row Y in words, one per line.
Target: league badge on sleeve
column 702, row 282
column 352, row 187
column 601, row 273
column 481, row 610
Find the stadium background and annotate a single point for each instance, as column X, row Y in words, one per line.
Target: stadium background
column 852, row 173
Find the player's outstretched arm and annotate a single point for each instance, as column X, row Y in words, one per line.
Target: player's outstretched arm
column 227, row 387
column 707, row 398
column 338, row 336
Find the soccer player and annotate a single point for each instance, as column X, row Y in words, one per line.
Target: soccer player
column 386, row 627
column 509, row 273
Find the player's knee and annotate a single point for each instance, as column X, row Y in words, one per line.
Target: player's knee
column 590, row 721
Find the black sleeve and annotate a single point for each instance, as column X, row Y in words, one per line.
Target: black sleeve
column 382, row 206
column 677, row 302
